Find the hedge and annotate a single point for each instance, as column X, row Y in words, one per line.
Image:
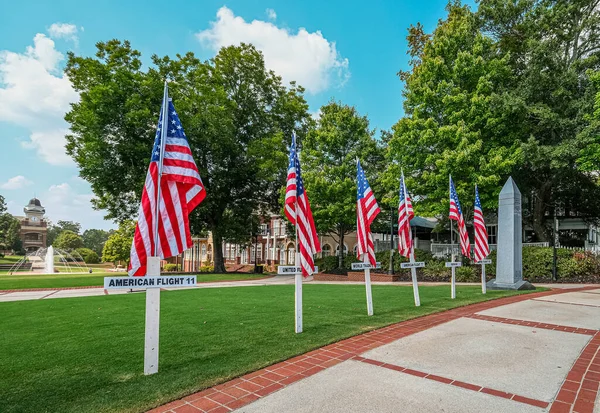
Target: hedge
column 572, row 266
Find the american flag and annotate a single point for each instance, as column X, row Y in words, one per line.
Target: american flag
column 457, row 215
column 297, row 209
column 405, row 214
column 366, row 211
column 482, row 249
column 181, row 190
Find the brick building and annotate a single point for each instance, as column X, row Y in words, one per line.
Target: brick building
column 34, row 227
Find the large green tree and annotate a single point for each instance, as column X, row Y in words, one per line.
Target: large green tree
column 118, row 245
column 450, row 126
column 54, row 230
column 504, row 91
column 328, row 158
column 68, row 240
column 94, row 239
column 236, row 114
column 553, row 46
column 9, row 230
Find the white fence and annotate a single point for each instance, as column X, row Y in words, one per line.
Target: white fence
column 442, row 250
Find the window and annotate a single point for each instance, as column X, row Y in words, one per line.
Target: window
column 492, row 231
column 203, row 252
column 326, row 250
column 259, row 252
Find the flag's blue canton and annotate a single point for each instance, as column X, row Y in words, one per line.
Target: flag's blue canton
column 402, row 189
column 363, row 185
column 299, row 182
column 174, row 130
column 477, row 201
column 292, row 157
column 454, row 196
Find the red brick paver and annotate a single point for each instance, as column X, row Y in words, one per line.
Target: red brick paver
column 250, row 387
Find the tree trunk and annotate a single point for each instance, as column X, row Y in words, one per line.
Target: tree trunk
column 341, row 250
column 539, row 214
column 219, row 262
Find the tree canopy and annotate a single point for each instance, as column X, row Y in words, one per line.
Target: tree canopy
column 504, row 91
column 328, row 158
column 236, row 114
column 68, row 240
column 118, row 245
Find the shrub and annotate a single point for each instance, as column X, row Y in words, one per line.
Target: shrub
column 89, row 256
column 206, row 269
column 171, row 267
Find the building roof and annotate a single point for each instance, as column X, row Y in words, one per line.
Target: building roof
column 430, row 223
column 35, row 201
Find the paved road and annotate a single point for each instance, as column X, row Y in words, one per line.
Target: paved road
column 537, row 353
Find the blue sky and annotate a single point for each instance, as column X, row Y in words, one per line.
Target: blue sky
column 336, row 49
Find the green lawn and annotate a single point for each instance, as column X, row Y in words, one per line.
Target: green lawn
column 86, row 354
column 61, row 280
column 10, row 259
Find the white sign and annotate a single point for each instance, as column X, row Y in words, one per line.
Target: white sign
column 165, row 281
column 484, row 262
column 291, row 269
column 412, row 265
column 453, row 264
column 364, row 265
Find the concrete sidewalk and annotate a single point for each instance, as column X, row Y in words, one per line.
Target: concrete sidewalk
column 533, row 353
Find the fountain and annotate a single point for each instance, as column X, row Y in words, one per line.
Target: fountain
column 49, row 259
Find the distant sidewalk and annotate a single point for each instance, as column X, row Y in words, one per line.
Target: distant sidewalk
column 71, row 292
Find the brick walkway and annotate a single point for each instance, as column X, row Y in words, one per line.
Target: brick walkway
column 578, row 391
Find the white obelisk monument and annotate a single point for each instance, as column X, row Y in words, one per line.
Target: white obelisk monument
column 509, row 261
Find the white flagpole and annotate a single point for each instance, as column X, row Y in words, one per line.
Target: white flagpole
column 298, row 274
column 153, row 263
column 453, row 283
column 368, row 286
column 483, row 286
column 413, row 270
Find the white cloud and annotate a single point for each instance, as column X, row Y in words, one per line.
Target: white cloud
column 271, row 15
column 63, row 31
column 308, row 58
column 16, row 182
column 35, row 94
column 316, row 115
column 62, row 202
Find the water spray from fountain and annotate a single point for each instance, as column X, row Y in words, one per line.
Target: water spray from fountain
column 50, row 261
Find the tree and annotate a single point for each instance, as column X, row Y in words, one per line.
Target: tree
column 94, row 239
column 118, row 245
column 68, row 240
column 553, row 47
column 55, row 230
column 328, row 157
column 9, row 230
column 450, row 126
column 236, row 114
column 89, row 256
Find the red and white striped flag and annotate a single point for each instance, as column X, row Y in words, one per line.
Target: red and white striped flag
column 457, row 215
column 405, row 214
column 482, row 248
column 297, row 210
column 181, row 190
column 366, row 211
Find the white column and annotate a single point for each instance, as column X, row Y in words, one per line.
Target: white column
column 152, row 320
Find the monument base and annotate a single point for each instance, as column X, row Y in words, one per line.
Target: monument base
column 519, row 285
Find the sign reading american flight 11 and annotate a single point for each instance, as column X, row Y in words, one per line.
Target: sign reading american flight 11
column 165, row 281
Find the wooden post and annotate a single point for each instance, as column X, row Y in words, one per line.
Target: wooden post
column 152, row 320
column 298, row 280
column 368, row 288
